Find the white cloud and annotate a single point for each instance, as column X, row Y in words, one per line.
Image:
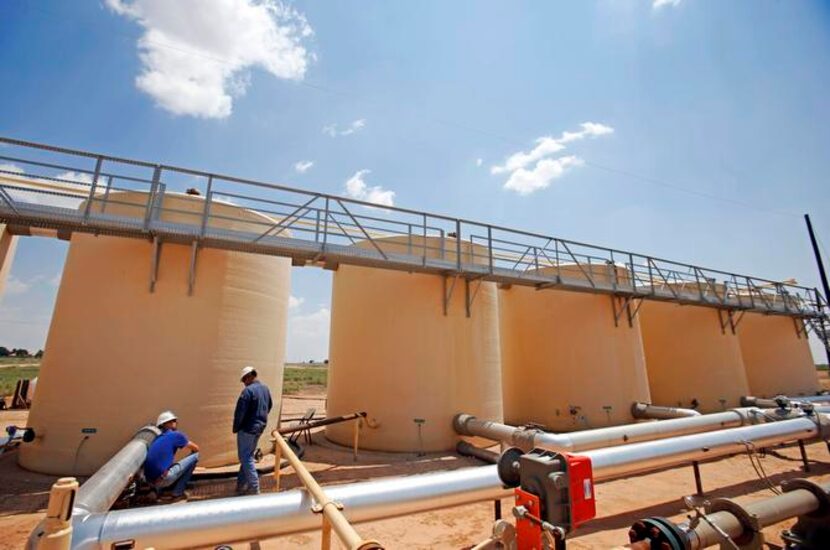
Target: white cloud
column 308, row 335
column 294, row 302
column 46, row 196
column 303, row 166
column 544, row 146
column 333, row 130
column 547, row 145
column 535, row 169
column 15, row 169
column 479, row 161
column 657, row 4
column 24, row 326
column 354, row 127
column 356, row 188
column 65, row 177
column 15, row 286
column 525, row 181
column 589, row 129
column 196, row 54
column 80, row 177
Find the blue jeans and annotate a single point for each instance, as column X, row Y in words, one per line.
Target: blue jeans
column 246, row 444
column 179, row 474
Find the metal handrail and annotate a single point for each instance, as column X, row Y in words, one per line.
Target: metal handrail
column 330, row 229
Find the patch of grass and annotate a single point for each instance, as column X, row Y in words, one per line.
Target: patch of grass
column 297, row 378
column 19, row 361
column 10, row 375
column 822, row 366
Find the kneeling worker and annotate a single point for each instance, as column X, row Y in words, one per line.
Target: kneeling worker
column 160, row 470
column 249, row 420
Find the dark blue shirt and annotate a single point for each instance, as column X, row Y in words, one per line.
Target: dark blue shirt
column 252, row 409
column 161, row 454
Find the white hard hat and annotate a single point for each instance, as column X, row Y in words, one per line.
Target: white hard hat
column 165, row 417
column 246, row 371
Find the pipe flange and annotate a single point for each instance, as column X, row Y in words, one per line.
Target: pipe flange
column 816, row 490
column 661, row 533
column 748, row 401
column 147, row 434
column 750, row 523
column 459, row 423
column 507, row 466
column 823, row 423
column 524, row 438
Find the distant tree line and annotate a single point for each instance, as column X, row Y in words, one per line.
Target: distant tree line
column 19, row 352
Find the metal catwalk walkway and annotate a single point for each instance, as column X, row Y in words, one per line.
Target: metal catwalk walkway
column 47, row 187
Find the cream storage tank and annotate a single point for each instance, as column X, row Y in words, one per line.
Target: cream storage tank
column 777, row 356
column 8, row 243
column 395, row 355
column 565, row 362
column 692, row 361
column 117, row 354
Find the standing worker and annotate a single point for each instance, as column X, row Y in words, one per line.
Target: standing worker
column 249, row 422
column 160, row 470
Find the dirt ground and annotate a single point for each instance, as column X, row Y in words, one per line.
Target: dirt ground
column 23, row 495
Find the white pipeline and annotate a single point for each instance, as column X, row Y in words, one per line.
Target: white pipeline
column 101, row 491
column 616, row 435
column 266, row 516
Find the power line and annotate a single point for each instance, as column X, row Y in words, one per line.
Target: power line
column 464, row 127
column 703, row 194
column 471, row 129
column 16, row 322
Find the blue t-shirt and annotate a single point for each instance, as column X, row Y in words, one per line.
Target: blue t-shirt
column 161, row 454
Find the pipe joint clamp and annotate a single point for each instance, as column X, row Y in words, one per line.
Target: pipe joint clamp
column 524, row 438
column 752, row 527
column 318, row 508
column 823, row 423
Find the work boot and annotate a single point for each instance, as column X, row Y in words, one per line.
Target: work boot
column 170, row 498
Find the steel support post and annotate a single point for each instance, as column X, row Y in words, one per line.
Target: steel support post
column 155, row 258
column 106, row 194
column 698, row 479
column 357, row 422
column 490, row 247
column 98, row 162
column 457, row 246
column 151, row 197
column 803, row 450
column 191, row 274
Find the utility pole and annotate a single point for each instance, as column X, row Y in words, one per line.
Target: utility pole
column 822, row 273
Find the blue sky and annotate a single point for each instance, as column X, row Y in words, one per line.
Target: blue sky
column 719, row 112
